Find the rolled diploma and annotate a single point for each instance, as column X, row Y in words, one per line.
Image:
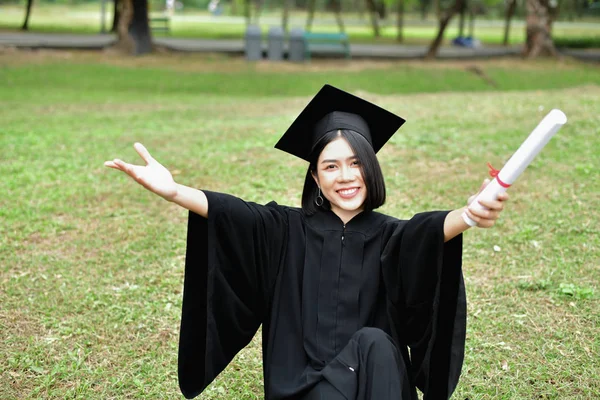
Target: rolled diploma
column 520, row 160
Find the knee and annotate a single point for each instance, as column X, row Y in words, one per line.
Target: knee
column 369, row 337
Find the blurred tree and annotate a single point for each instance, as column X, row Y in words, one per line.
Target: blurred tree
column 358, row 6
column 424, row 8
column 461, row 18
column 134, row 30
column 373, row 13
column 116, row 15
column 538, row 40
column 27, row 14
column 443, row 22
column 311, row 14
column 401, row 6
column 336, row 6
column 287, row 4
column 248, row 11
column 381, row 7
column 511, row 7
column 258, row 7
column 333, row 5
column 437, row 8
column 400, row 21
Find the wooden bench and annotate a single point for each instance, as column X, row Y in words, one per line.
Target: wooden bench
column 160, row 24
column 330, row 43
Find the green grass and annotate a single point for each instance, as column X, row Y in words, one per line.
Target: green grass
column 86, row 19
column 91, row 270
column 232, row 78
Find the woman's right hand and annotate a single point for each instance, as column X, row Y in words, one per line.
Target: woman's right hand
column 153, row 176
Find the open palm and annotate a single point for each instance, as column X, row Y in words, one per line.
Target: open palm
column 153, row 176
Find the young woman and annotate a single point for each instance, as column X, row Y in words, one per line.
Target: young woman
column 354, row 304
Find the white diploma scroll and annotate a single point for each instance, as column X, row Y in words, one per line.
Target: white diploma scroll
column 520, row 160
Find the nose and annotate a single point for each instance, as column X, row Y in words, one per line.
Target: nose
column 346, row 174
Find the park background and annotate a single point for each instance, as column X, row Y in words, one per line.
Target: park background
column 91, row 266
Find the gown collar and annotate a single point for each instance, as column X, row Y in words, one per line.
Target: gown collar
column 362, row 222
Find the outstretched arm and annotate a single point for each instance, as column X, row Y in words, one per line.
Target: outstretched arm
column 454, row 223
column 157, row 179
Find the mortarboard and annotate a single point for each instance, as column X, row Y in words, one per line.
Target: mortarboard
column 333, row 109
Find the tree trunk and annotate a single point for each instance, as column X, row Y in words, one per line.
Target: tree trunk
column 538, row 31
column 461, row 23
column 117, row 15
column 471, row 23
column 134, row 31
column 423, row 7
column 248, row 11
column 286, row 14
column 437, row 9
column 381, row 9
column 337, row 9
column 443, row 24
column 400, row 21
column 510, row 12
column 311, row 14
column 27, row 14
column 358, row 5
column 372, row 9
column 258, row 10
column 579, row 8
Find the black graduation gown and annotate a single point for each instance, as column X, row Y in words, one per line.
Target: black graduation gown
column 312, row 281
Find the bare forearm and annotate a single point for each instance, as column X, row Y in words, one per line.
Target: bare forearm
column 454, row 224
column 192, row 199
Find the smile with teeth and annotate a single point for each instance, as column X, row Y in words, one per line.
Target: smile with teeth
column 348, row 192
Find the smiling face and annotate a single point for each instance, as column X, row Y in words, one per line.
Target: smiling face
column 339, row 175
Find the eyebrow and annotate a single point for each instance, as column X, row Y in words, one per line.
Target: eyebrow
column 334, row 161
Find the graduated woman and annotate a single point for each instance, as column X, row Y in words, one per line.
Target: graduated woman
column 354, row 304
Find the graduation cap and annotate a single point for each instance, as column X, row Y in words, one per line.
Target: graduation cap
column 332, row 109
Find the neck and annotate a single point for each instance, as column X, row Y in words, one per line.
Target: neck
column 346, row 215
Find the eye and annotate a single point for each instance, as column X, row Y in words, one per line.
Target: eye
column 330, row 166
column 356, row 162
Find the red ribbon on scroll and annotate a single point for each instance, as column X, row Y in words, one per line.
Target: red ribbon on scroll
column 494, row 174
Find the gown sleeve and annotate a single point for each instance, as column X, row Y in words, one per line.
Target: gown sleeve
column 232, row 258
column 427, row 301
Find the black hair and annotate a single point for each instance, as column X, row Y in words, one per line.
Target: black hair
column 370, row 169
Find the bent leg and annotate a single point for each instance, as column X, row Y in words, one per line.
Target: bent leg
column 383, row 372
column 324, row 391
column 370, row 367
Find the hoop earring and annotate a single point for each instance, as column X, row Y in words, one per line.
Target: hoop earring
column 319, row 200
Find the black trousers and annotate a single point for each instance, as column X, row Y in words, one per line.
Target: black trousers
column 368, row 368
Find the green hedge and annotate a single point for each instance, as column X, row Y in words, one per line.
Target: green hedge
column 578, row 43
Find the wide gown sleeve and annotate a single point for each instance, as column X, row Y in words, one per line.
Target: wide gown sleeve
column 427, row 301
column 232, row 259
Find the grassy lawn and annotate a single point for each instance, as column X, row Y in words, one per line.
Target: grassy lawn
column 91, row 265
column 194, row 23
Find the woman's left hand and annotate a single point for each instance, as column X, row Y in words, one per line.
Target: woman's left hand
column 486, row 218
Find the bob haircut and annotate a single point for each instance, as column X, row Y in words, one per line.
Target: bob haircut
column 369, row 165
